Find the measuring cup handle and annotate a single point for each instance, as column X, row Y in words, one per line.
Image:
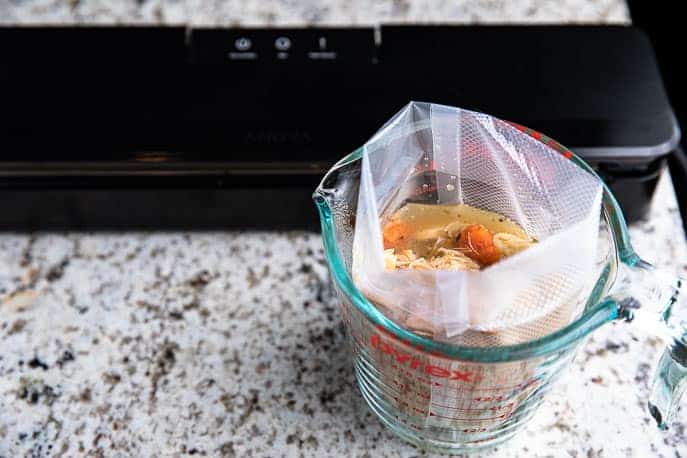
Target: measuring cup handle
column 656, row 302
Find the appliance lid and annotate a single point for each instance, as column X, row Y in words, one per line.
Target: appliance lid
column 167, row 99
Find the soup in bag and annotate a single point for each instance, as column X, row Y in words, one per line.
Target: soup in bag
column 471, row 232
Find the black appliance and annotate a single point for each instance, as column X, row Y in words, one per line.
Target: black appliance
column 169, row 127
column 662, row 26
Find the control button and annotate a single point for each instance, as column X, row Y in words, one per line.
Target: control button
column 242, row 44
column 282, row 44
column 322, row 53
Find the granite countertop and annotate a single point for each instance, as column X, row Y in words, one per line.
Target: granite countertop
column 286, row 13
column 158, row 344
column 231, row 344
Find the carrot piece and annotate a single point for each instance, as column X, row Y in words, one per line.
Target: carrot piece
column 395, row 234
column 477, row 243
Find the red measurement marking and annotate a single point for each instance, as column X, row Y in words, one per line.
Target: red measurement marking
column 519, row 386
column 426, row 381
column 500, row 417
column 475, row 430
column 400, row 369
column 489, row 398
column 476, row 409
column 403, row 370
column 463, row 398
column 463, row 393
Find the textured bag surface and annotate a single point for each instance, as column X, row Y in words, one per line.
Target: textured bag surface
column 443, row 155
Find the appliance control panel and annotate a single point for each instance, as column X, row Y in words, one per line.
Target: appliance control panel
column 282, row 45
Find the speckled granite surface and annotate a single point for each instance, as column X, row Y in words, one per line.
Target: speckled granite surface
column 230, row 344
column 312, row 12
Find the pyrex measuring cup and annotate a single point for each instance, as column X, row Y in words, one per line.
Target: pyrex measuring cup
column 452, row 398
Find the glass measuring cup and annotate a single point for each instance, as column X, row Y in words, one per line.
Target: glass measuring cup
column 452, row 398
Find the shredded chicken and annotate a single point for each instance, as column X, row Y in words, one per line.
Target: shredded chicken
column 453, row 260
column 389, row 259
column 445, row 259
column 456, row 246
column 453, row 230
column 509, row 244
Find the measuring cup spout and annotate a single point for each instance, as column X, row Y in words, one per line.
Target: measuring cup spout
column 656, row 302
